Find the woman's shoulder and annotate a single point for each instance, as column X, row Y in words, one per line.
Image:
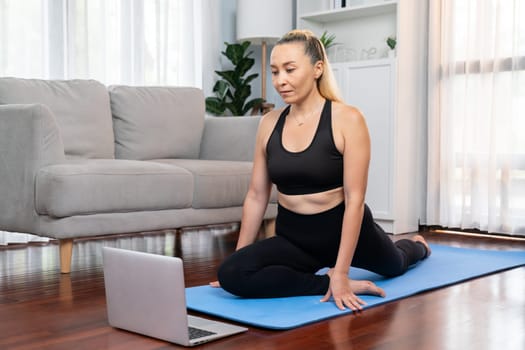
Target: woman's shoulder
column 267, row 125
column 346, row 114
column 349, row 123
column 269, row 120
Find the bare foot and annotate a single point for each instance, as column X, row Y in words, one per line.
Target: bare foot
column 362, row 287
column 420, row 239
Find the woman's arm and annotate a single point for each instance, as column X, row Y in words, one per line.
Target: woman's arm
column 258, row 194
column 356, row 159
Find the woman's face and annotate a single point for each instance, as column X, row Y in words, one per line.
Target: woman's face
column 293, row 74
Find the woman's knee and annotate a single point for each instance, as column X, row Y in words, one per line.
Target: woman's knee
column 231, row 276
column 395, row 270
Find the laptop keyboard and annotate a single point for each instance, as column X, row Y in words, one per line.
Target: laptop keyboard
column 198, row 333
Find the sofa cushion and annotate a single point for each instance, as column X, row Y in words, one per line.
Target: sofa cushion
column 81, row 109
column 157, row 122
column 109, row 186
column 217, row 183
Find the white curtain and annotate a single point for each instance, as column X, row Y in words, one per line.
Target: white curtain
column 134, row 42
column 476, row 167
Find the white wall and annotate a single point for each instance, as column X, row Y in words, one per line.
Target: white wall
column 212, row 23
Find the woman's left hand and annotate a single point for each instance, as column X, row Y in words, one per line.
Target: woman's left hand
column 342, row 293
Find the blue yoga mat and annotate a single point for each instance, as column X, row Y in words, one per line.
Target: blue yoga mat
column 446, row 266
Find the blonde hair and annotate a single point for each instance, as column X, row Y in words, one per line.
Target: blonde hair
column 313, row 47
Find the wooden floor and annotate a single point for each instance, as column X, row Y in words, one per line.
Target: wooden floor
column 42, row 309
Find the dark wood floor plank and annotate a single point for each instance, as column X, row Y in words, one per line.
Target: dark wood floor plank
column 43, row 309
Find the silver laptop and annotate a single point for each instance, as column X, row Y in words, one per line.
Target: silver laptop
column 145, row 294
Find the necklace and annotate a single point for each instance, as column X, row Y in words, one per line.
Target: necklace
column 305, row 119
column 299, row 123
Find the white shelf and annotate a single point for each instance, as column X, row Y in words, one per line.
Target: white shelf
column 365, row 63
column 388, row 6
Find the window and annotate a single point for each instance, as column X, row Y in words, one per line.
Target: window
column 477, row 158
column 140, row 42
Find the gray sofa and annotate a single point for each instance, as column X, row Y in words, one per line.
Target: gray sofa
column 78, row 159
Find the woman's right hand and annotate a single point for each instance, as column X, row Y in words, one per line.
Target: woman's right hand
column 215, row 284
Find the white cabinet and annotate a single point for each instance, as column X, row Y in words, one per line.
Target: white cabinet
column 389, row 91
column 369, row 85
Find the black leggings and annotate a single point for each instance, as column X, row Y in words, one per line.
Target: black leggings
column 285, row 265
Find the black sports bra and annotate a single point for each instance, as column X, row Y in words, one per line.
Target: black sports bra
column 318, row 168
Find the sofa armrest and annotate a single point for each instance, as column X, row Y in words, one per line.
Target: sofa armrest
column 229, row 138
column 29, row 140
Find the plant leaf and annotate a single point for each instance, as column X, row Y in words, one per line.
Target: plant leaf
column 244, row 66
column 245, row 45
column 249, row 78
column 230, row 76
column 243, row 92
column 220, row 88
column 215, row 106
column 233, row 108
column 327, row 40
column 235, row 52
column 252, row 103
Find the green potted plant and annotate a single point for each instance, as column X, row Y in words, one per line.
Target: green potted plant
column 327, row 40
column 391, row 41
column 332, row 48
column 232, row 91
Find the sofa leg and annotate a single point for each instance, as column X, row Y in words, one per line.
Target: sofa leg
column 269, row 228
column 66, row 251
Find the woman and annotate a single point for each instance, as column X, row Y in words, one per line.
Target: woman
column 317, row 152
